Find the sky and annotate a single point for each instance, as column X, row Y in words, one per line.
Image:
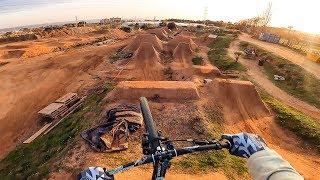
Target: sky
column 302, row 15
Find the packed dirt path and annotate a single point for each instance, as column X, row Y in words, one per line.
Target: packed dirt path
column 28, row 85
column 256, row 72
column 286, row 53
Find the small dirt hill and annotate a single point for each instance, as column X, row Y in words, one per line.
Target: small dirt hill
column 183, row 53
column 172, row 44
column 160, row 33
column 239, row 100
column 146, row 58
column 148, row 38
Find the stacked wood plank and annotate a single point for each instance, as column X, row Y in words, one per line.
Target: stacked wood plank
column 54, row 110
column 68, row 99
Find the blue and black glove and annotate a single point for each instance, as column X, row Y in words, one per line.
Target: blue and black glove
column 244, row 144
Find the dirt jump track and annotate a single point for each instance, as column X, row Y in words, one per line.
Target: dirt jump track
column 149, row 38
column 286, row 53
column 259, row 77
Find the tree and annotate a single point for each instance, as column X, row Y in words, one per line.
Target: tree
column 172, row 26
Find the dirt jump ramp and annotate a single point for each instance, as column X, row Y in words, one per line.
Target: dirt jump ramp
column 170, row 90
column 160, row 33
column 239, row 99
column 140, row 38
column 147, row 60
column 183, row 54
column 172, row 44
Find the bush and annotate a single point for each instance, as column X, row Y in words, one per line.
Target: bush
column 126, row 29
column 172, row 26
column 197, row 60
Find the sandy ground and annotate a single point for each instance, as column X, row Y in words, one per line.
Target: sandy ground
column 29, row 85
column 256, row 72
column 286, row 53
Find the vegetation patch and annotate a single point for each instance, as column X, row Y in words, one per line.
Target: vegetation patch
column 218, row 54
column 35, row 160
column 298, row 81
column 197, row 60
column 297, row 122
column 232, row 166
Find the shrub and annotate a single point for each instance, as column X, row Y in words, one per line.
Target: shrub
column 197, row 60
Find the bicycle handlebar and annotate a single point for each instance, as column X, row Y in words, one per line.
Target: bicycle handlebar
column 168, row 154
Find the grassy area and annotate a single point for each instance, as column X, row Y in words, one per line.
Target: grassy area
column 232, row 166
column 302, row 125
column 299, row 82
column 218, row 54
column 35, row 160
column 197, row 60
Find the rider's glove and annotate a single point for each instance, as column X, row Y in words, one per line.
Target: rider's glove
column 244, row 144
column 94, row 173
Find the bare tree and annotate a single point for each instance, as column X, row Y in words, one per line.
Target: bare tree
column 267, row 14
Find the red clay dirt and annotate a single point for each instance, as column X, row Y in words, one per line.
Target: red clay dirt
column 172, row 44
column 147, row 62
column 28, row 86
column 148, row 38
column 160, row 33
column 169, row 90
column 183, row 54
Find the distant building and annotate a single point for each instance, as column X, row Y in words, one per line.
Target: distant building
column 114, row 20
column 268, row 37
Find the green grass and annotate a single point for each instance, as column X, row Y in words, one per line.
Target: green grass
column 302, row 125
column 197, row 60
column 298, row 83
column 218, row 54
column 35, row 160
column 232, row 166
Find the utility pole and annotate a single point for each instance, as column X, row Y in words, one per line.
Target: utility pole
column 205, row 14
column 76, row 21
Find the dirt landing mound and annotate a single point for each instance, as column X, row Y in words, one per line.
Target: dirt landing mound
column 181, row 90
column 160, row 33
column 167, row 30
column 149, row 38
column 183, row 53
column 38, row 50
column 239, row 99
column 147, row 59
column 172, row 44
column 12, row 54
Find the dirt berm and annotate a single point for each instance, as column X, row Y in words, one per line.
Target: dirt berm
column 170, row 90
column 149, row 38
column 239, row 99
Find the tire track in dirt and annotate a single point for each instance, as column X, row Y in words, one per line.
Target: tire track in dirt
column 286, row 53
column 256, row 72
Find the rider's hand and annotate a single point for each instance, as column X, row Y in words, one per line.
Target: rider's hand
column 244, row 144
column 94, row 173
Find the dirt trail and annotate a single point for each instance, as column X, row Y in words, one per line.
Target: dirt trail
column 29, row 85
column 286, row 53
column 256, row 72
